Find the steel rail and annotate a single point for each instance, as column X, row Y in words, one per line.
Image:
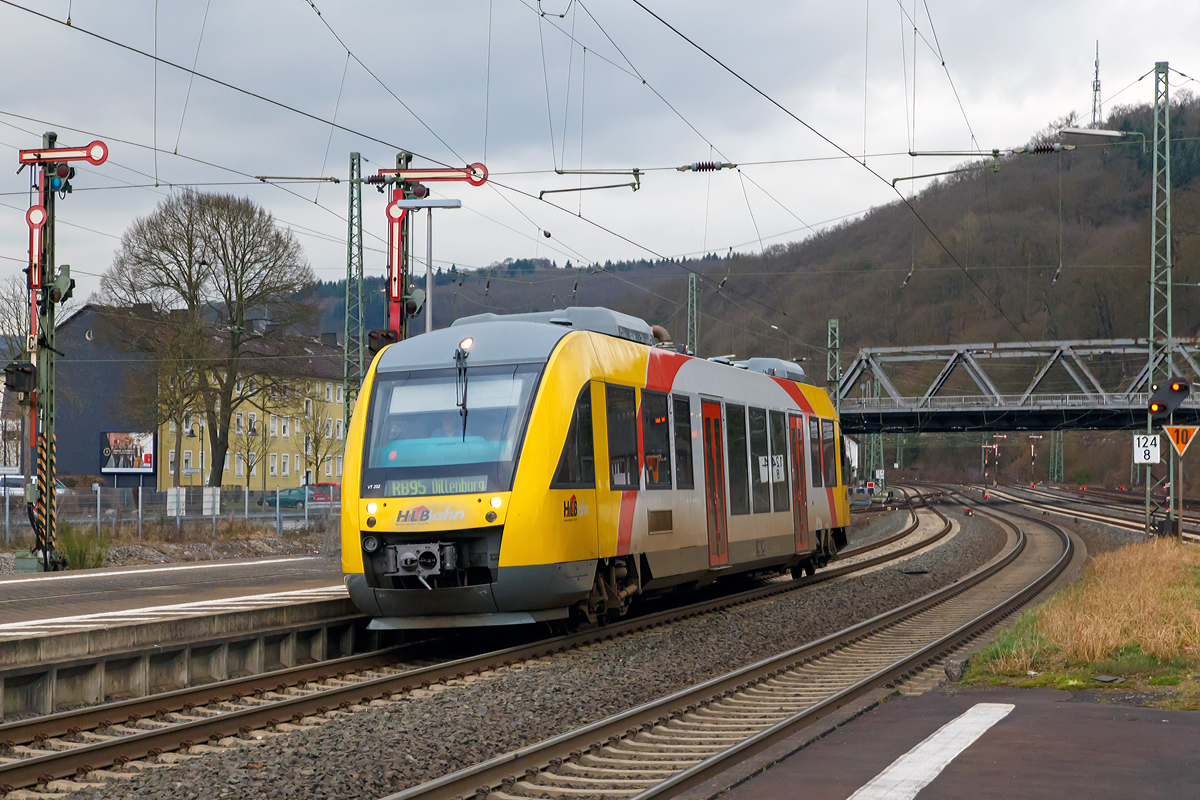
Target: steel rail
column 501, row 774
column 183, row 734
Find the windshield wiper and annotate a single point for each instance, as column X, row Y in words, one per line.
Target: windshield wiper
column 460, row 386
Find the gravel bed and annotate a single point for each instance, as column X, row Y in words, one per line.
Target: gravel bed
column 878, row 525
column 387, row 748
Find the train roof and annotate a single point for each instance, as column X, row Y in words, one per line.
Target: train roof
column 580, row 318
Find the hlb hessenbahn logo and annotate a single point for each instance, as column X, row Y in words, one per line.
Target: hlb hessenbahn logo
column 422, row 514
column 573, row 509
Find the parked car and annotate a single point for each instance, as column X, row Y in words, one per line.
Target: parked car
column 15, row 485
column 288, row 498
column 321, row 494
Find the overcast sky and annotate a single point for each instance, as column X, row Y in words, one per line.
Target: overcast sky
column 640, row 97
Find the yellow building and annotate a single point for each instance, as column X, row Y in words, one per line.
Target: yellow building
column 286, row 432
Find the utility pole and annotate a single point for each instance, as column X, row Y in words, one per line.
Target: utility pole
column 693, row 315
column 1096, row 116
column 48, row 287
column 833, row 365
column 1033, row 456
column 1161, row 365
column 354, row 349
column 1056, row 457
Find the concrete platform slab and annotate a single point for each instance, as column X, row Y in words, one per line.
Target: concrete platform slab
column 1052, row 744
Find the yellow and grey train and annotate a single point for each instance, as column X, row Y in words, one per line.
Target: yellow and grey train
column 557, row 466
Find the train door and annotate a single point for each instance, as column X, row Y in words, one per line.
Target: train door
column 714, row 483
column 799, row 483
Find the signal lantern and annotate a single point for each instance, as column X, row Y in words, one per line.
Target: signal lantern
column 60, row 177
column 1165, row 399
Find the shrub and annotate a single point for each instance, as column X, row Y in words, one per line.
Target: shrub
column 82, row 550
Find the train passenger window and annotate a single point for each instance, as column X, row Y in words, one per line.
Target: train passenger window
column 814, row 451
column 846, row 476
column 829, row 450
column 656, row 440
column 780, row 486
column 735, row 446
column 760, row 461
column 577, row 466
column 684, row 473
column 622, row 437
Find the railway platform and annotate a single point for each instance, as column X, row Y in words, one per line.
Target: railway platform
column 991, row 743
column 71, row 638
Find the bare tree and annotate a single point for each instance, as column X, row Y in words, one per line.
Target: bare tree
column 318, row 428
column 224, row 260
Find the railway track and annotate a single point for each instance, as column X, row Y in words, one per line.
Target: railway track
column 1048, row 502
column 664, row 748
column 91, row 741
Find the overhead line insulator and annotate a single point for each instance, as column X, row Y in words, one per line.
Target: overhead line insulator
column 705, row 166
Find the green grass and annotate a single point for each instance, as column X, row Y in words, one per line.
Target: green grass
column 82, row 550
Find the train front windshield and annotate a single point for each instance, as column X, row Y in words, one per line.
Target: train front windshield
column 417, row 443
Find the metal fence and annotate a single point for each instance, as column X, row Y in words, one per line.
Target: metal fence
column 144, row 513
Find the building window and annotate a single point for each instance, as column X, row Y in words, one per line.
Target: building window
column 329, row 393
column 274, row 426
column 239, row 465
column 253, row 463
column 187, row 460
column 308, row 388
column 328, row 429
column 286, row 461
column 187, row 422
column 274, row 465
column 341, row 395
column 239, row 424
column 285, row 427
column 172, row 426
column 201, row 462
column 339, row 466
column 328, row 466
column 337, row 429
column 307, row 445
column 252, row 430
column 227, row 462
column 308, row 408
column 171, row 463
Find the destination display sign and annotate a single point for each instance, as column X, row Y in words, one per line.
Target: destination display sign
column 426, row 487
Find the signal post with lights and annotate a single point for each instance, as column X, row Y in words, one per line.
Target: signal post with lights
column 48, row 286
column 1164, row 400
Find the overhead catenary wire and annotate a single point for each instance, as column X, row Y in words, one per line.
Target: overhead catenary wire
column 192, row 77
column 838, row 147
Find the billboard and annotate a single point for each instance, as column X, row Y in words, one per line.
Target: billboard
column 126, row 452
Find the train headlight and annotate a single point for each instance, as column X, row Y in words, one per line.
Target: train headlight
column 495, row 502
column 370, row 544
column 372, row 508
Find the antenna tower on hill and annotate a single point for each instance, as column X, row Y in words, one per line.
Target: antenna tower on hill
column 1096, row 117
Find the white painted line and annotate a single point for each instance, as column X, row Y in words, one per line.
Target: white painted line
column 71, row 576
column 913, row 771
column 182, row 609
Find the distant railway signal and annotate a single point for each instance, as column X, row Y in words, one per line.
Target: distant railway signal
column 1165, row 398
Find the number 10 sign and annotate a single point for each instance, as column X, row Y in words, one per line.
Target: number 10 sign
column 1145, row 448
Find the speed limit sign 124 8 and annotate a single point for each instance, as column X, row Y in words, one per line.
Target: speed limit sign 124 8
column 1145, row 448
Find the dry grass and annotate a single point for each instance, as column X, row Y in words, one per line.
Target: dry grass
column 1137, row 609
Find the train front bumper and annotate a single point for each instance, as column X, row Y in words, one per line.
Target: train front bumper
column 517, row 596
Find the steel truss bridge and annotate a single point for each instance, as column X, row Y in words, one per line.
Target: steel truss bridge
column 1111, row 394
